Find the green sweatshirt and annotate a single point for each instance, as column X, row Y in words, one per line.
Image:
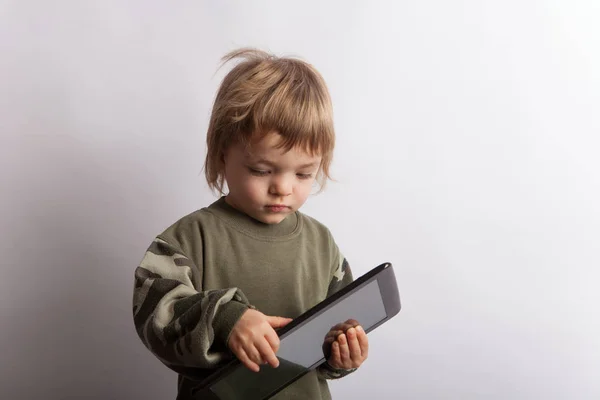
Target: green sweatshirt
column 201, row 274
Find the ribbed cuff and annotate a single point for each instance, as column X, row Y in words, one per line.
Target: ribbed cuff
column 227, row 316
column 329, row 372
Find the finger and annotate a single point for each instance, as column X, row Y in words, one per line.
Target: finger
column 344, row 351
column 352, row 322
column 267, row 353
column 278, row 322
column 243, row 357
column 254, row 354
column 273, row 340
column 342, row 326
column 363, row 341
column 338, row 327
column 336, row 359
column 354, row 346
column 333, row 334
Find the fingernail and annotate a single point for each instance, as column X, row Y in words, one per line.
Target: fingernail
column 359, row 328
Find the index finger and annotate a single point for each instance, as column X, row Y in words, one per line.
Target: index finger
column 363, row 341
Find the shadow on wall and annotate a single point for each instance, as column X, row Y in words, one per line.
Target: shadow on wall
column 76, row 242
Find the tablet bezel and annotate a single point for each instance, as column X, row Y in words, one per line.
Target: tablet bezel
column 384, row 274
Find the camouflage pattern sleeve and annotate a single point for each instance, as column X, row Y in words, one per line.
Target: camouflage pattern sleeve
column 184, row 327
column 342, row 276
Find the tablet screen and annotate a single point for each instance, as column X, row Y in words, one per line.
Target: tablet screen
column 301, row 349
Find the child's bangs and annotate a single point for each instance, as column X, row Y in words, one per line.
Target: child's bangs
column 300, row 112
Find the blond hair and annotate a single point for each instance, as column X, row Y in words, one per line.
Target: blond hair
column 262, row 94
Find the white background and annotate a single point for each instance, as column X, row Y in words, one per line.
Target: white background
column 468, row 142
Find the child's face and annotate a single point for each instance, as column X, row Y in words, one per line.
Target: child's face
column 268, row 183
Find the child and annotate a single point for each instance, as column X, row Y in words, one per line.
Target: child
column 218, row 282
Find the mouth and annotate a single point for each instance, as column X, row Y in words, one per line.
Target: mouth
column 277, row 207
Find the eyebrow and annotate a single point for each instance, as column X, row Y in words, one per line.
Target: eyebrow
column 270, row 164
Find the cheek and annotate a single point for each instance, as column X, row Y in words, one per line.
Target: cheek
column 303, row 189
column 253, row 187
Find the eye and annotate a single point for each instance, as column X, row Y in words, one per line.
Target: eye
column 258, row 172
column 304, row 176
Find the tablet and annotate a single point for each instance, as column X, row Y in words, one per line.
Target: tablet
column 371, row 300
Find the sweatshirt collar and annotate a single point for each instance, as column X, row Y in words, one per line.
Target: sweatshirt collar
column 290, row 226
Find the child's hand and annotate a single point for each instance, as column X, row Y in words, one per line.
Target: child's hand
column 346, row 345
column 254, row 341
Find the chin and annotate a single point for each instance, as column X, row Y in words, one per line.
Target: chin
column 271, row 219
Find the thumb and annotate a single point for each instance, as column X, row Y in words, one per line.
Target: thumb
column 278, row 322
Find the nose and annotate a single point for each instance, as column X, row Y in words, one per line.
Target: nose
column 281, row 186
